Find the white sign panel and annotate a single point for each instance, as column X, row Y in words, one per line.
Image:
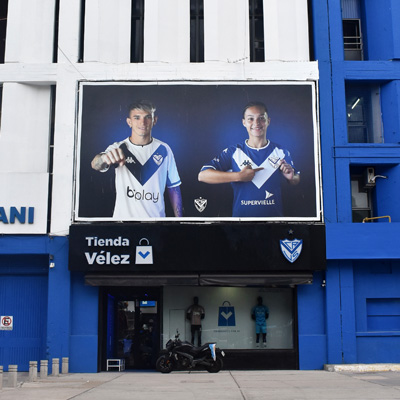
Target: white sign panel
column 6, row 323
column 23, row 206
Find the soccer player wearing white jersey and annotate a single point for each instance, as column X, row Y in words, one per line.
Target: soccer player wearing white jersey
column 253, row 167
column 144, row 167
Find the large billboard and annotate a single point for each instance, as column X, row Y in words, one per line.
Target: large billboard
column 197, row 151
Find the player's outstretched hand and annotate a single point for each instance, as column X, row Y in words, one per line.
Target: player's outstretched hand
column 247, row 173
column 101, row 162
column 114, row 156
column 287, row 170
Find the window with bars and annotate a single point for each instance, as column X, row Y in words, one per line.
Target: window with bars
column 352, row 41
column 256, row 14
column 137, row 31
column 196, row 31
column 352, row 37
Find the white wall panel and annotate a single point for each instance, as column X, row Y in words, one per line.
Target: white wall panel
column 167, row 31
column 30, row 31
column 25, row 126
column 69, row 30
column 286, row 30
column 107, row 31
column 26, row 110
column 63, row 165
column 24, row 190
column 226, row 30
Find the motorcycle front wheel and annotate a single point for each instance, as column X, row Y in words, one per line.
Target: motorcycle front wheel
column 164, row 364
column 216, row 365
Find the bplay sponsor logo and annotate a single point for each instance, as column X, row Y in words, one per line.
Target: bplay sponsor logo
column 147, row 196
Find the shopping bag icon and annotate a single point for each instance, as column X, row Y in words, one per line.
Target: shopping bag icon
column 226, row 315
column 144, row 254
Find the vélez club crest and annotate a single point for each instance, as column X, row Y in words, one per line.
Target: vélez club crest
column 291, row 249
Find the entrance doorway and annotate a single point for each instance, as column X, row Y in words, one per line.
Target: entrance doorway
column 131, row 326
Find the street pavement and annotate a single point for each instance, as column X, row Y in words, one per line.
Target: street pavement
column 232, row 385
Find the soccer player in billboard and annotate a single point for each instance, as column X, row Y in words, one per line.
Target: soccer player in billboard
column 255, row 168
column 144, row 167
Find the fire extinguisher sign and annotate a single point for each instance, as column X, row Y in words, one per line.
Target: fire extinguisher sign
column 6, row 323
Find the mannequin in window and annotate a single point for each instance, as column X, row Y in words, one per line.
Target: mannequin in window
column 195, row 313
column 260, row 313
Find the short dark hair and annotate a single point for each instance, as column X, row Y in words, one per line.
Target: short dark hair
column 144, row 105
column 255, row 104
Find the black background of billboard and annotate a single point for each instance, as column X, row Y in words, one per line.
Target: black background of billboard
column 198, row 122
column 233, row 247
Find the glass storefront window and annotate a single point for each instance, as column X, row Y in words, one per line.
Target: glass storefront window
column 227, row 319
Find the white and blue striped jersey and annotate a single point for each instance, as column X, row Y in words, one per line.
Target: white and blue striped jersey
column 141, row 182
column 260, row 197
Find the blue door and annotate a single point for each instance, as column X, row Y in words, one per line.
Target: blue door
column 24, row 298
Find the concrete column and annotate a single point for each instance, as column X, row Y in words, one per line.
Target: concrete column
column 12, row 374
column 30, row 31
column 286, row 30
column 65, row 365
column 107, row 31
column 1, row 377
column 30, row 136
column 32, row 371
column 44, row 367
column 55, row 370
column 167, row 31
column 68, row 31
column 226, row 31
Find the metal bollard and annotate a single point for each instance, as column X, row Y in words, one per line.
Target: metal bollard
column 12, row 374
column 1, row 377
column 65, row 365
column 55, row 370
column 32, row 371
column 44, row 366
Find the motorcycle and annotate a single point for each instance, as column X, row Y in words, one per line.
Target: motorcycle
column 180, row 355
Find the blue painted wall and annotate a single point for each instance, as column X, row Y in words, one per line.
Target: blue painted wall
column 84, row 325
column 379, row 42
column 37, row 252
column 23, row 296
column 311, row 323
column 377, row 305
column 362, row 274
column 58, row 307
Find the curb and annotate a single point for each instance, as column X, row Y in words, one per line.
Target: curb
column 362, row 367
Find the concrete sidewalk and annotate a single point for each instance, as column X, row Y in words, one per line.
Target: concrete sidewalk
column 232, row 385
